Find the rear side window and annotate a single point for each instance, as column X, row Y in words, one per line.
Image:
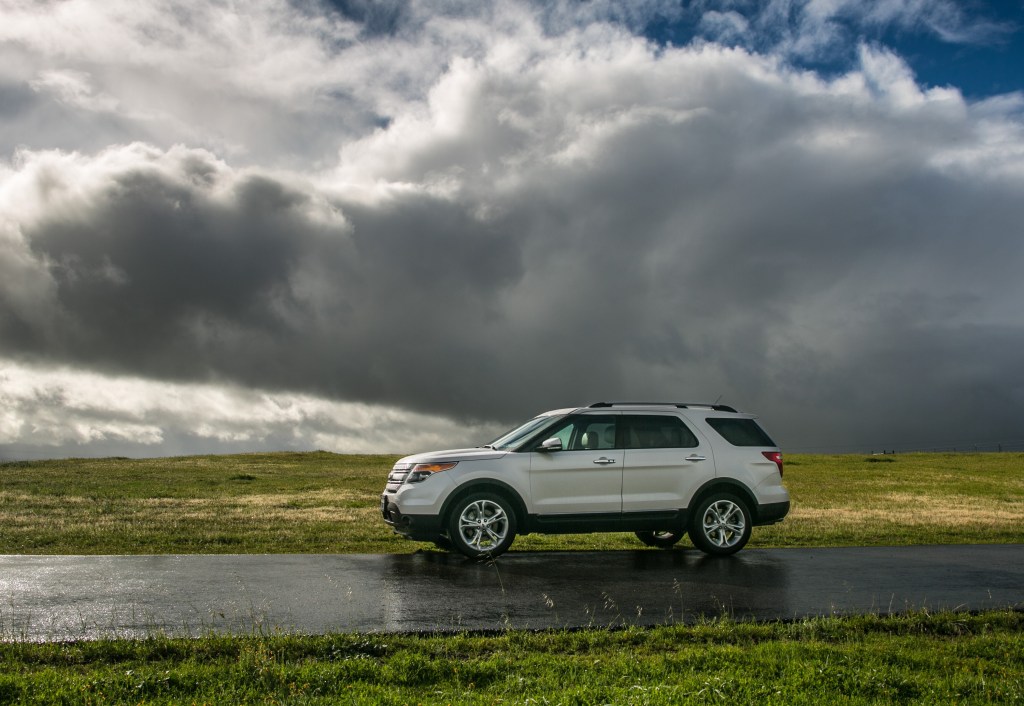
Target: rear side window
column 657, row 432
column 741, row 432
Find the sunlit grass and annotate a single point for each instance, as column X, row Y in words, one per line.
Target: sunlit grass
column 327, row 503
column 901, row 499
column 284, row 502
column 322, row 502
column 918, row 658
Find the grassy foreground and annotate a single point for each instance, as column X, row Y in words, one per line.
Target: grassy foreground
column 327, row 503
column 912, row 659
column 321, row 502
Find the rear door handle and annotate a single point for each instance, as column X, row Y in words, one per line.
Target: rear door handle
column 696, row 457
column 604, row 461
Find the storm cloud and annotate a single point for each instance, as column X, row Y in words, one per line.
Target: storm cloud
column 513, row 218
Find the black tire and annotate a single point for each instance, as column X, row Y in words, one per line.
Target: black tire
column 661, row 540
column 721, row 524
column 482, row 525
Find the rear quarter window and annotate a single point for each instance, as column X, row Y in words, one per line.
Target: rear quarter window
column 740, row 432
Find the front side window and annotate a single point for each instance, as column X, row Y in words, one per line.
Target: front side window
column 586, row 433
column 657, row 432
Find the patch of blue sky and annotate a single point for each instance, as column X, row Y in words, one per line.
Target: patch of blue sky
column 974, row 46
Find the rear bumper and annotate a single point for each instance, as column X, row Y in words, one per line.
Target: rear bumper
column 422, row 528
column 771, row 513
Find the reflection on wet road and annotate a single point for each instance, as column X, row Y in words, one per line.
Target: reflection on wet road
column 56, row 597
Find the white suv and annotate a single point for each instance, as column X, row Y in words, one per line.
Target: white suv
column 659, row 470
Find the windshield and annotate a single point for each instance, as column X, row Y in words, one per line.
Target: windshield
column 512, row 439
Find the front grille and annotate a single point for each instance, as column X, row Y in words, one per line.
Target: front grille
column 398, row 475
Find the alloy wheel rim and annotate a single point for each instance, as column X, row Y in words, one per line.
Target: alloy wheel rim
column 724, row 523
column 483, row 525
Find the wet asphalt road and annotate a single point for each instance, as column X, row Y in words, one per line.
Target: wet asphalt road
column 62, row 598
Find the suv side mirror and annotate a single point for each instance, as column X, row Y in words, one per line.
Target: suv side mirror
column 552, row 444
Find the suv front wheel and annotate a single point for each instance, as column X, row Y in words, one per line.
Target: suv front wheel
column 721, row 525
column 482, row 525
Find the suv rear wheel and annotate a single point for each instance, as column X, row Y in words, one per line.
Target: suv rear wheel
column 482, row 525
column 662, row 540
column 721, row 525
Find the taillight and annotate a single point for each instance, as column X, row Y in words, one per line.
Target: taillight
column 775, row 457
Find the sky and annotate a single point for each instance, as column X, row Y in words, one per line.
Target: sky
column 404, row 225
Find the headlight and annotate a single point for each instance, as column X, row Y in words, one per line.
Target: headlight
column 421, row 471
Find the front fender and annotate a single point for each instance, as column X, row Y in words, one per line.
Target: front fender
column 488, row 485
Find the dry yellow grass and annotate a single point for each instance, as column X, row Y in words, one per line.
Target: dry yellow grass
column 919, row 510
column 905, row 499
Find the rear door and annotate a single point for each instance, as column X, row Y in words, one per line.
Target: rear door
column 666, row 461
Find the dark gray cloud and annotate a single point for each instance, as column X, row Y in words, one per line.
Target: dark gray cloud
column 552, row 220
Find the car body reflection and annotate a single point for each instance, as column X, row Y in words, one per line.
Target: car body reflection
column 535, row 590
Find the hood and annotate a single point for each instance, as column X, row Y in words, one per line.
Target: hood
column 453, row 455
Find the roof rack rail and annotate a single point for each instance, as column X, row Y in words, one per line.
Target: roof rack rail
column 681, row 405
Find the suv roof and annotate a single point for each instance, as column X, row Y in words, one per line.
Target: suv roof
column 680, row 405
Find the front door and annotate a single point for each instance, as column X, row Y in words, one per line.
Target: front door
column 585, row 477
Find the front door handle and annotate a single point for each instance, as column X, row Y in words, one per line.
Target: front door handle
column 696, row 457
column 604, row 461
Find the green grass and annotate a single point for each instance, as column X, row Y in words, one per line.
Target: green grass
column 322, row 502
column 921, row 498
column 250, row 503
column 912, row 659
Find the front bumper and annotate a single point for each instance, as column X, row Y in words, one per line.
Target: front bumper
column 422, row 528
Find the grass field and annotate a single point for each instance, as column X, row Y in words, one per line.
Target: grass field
column 321, row 502
column 327, row 503
column 912, row 659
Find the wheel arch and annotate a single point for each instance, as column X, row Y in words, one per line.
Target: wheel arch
column 726, row 485
column 488, row 485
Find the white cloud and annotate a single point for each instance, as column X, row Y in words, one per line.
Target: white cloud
column 62, row 411
column 236, row 79
column 483, row 213
column 728, row 27
column 947, row 19
column 819, row 30
column 74, row 88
